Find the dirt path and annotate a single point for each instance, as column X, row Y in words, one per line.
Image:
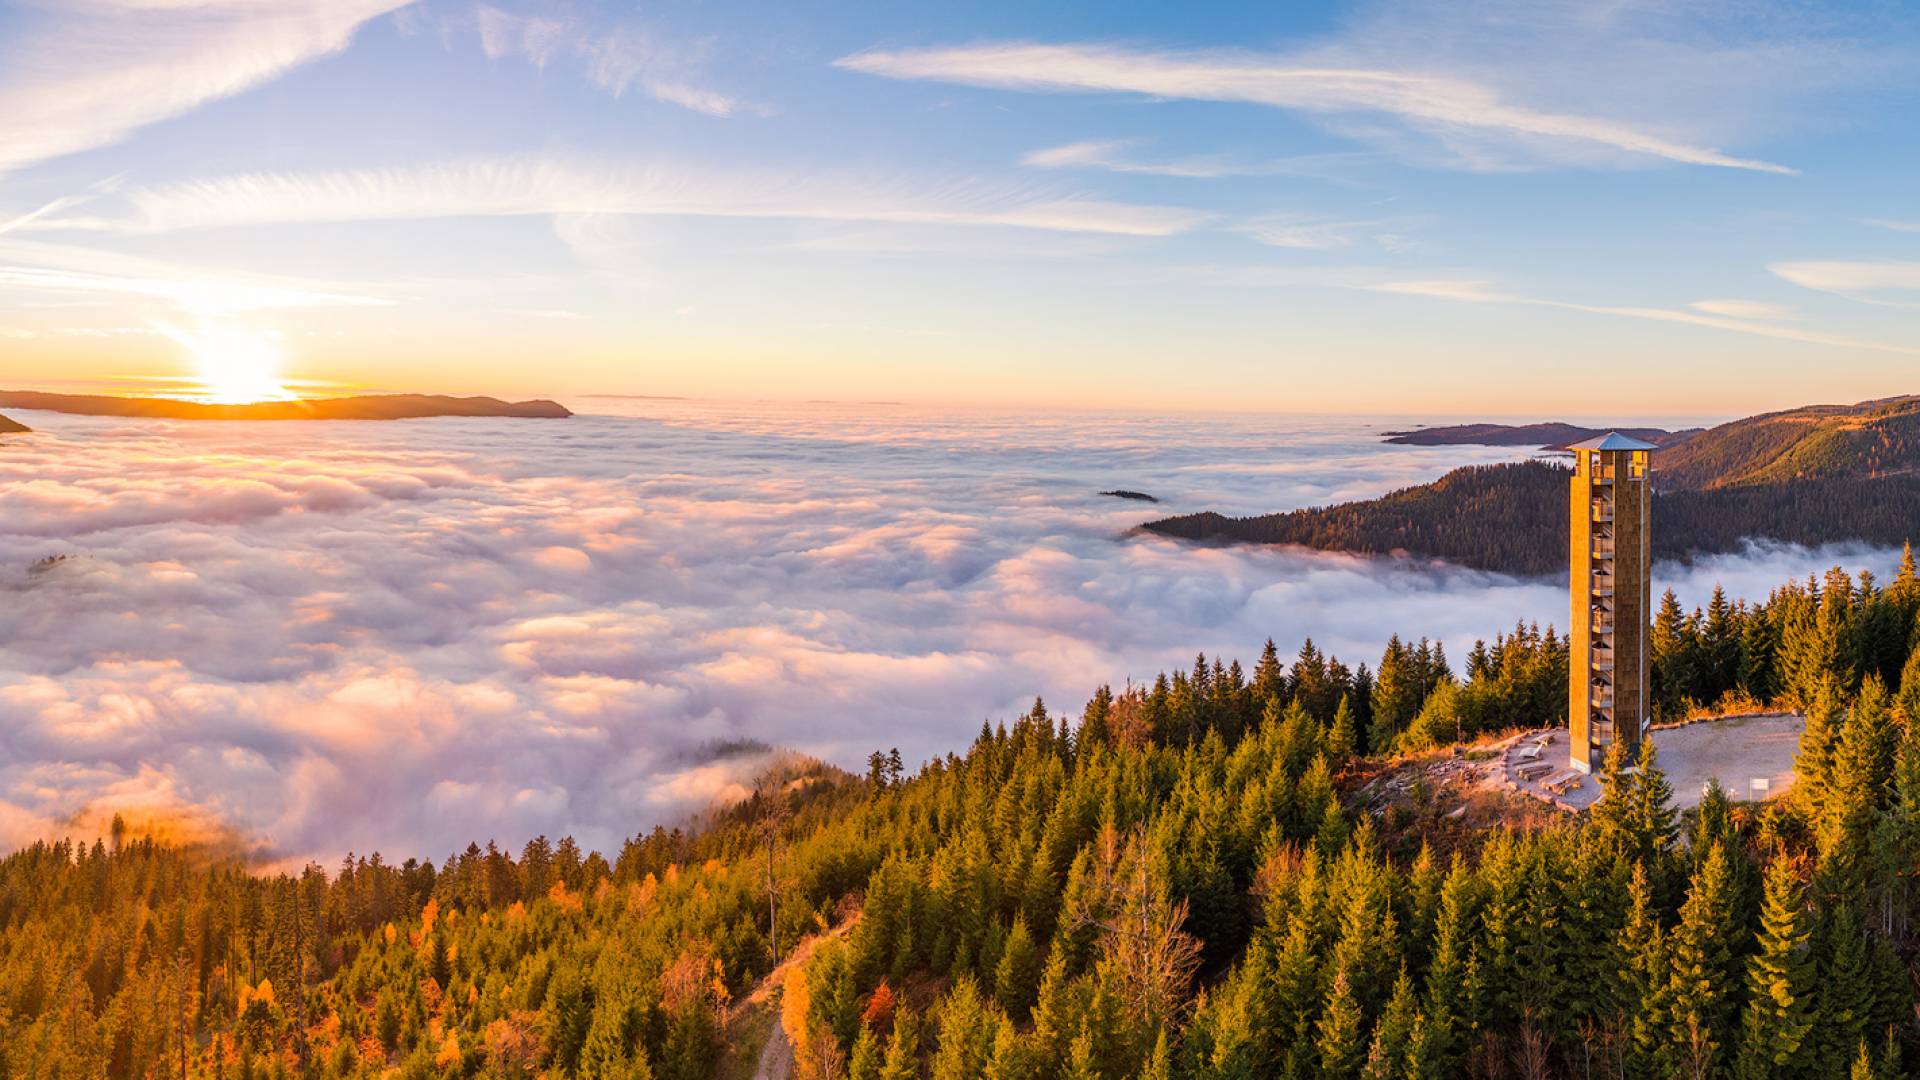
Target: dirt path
column 776, row 1057
column 762, row 1006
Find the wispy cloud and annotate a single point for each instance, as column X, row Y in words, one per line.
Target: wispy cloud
column 541, row 186
column 1745, row 309
column 37, row 268
column 615, row 59
column 1444, row 102
column 1864, row 281
column 1896, row 226
column 84, row 74
column 1481, row 292
column 1120, row 156
column 1308, row 233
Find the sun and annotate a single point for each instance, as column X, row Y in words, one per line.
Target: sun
column 236, row 365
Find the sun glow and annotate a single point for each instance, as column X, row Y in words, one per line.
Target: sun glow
column 235, row 365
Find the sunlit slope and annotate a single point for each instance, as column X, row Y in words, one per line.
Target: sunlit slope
column 1817, row 442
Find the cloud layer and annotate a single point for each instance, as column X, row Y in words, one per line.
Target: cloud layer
column 410, row 635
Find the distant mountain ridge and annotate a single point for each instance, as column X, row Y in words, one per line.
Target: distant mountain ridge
column 1813, row 475
column 12, row 427
column 1548, row 436
column 370, row 407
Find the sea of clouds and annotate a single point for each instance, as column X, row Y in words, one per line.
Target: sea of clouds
column 408, row 635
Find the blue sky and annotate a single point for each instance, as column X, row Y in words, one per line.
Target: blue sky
column 1466, row 208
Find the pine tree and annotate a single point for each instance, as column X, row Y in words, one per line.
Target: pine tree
column 1907, row 697
column 1646, row 997
column 967, row 1033
column 1017, row 979
column 1845, row 989
column 903, row 1050
column 1387, row 1052
column 867, row 1060
column 1779, row 1014
column 1858, row 784
column 1819, row 741
column 1397, row 696
column 1720, row 647
column 1310, row 683
column 1014, row 1057
column 1340, row 1039
column 1269, row 678
column 1702, row 966
column 1342, row 737
column 1671, row 670
column 1056, row 1015
column 1757, row 659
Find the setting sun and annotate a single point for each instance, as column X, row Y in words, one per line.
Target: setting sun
column 235, row 365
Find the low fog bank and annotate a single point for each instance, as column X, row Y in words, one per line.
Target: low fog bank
column 410, row 635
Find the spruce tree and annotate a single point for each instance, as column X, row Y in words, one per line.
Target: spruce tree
column 1056, row 1014
column 1819, row 742
column 1649, row 824
column 903, row 1049
column 1775, row 1029
column 1340, row 1037
column 1907, row 694
column 1757, row 660
column 1387, row 1053
column 1701, row 959
column 1342, row 737
column 1017, row 979
column 1014, row 1057
column 1646, row 996
column 967, row 1033
column 1846, row 992
column 867, row 1060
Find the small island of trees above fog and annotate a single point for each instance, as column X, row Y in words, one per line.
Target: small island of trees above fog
column 1223, row 874
column 1809, row 476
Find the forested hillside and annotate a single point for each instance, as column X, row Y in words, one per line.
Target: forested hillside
column 1173, row 886
column 1821, row 474
column 1819, row 442
column 1512, row 518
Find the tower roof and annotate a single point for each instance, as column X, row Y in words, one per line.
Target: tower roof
column 1612, row 440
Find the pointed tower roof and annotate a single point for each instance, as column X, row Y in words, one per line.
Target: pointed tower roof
column 1612, row 440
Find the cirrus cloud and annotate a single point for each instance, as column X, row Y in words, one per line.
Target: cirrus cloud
column 85, row 74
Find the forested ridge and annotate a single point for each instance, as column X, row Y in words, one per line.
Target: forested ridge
column 1815, row 475
column 1818, row 442
column 1512, row 518
column 1172, row 887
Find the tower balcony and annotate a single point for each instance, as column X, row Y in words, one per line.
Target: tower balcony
column 1603, row 584
column 1602, row 511
column 1603, row 659
column 1603, row 549
column 1602, row 476
column 1602, row 699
